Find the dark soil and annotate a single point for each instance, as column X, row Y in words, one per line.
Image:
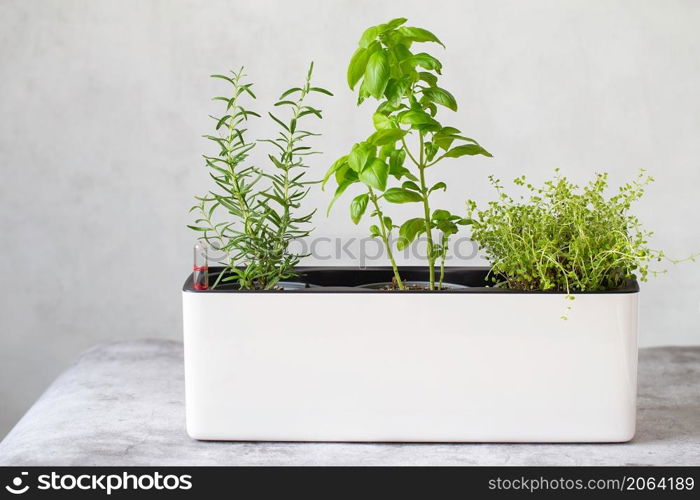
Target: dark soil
column 394, row 287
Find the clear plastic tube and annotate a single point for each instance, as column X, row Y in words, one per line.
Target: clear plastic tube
column 201, row 266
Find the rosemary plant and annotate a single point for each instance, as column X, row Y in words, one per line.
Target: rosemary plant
column 262, row 205
column 406, row 84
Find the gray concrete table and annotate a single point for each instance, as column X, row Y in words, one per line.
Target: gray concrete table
column 123, row 404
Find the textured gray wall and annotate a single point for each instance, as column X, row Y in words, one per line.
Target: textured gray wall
column 103, row 104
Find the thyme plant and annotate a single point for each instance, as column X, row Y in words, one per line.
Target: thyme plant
column 261, row 206
column 563, row 237
column 408, row 141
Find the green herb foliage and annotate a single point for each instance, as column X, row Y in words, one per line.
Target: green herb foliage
column 563, row 237
column 260, row 205
column 405, row 82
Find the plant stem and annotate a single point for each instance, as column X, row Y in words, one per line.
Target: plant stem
column 231, row 162
column 408, row 152
column 286, row 161
column 385, row 238
column 426, row 215
column 442, row 273
column 443, row 256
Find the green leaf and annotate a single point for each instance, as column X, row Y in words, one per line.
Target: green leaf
column 449, row 130
column 374, row 230
column 277, row 163
column 401, row 53
column 360, row 154
column 224, row 77
column 222, row 121
column 358, row 207
column 337, row 164
column 428, row 78
column 447, row 135
column 321, row 91
column 413, row 117
column 396, row 168
column 386, row 136
column 439, row 185
column 440, row 214
column 386, row 151
column 375, row 174
column 289, row 92
column 441, row 96
column 399, row 172
column 394, row 23
column 307, row 110
column 345, row 173
column 394, row 38
column 357, row 66
column 246, row 88
column 228, row 100
column 467, row 149
column 195, row 228
column 419, row 35
column 338, row 192
column 443, row 141
column 396, row 90
column 411, row 185
column 447, row 227
column 400, row 195
column 425, row 61
column 363, row 93
column 381, row 121
column 368, row 36
column 377, row 74
column 408, row 232
column 279, row 122
column 431, row 150
column 397, row 158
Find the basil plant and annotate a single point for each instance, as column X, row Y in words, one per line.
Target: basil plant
column 392, row 163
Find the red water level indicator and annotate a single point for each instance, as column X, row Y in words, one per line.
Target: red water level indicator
column 201, row 266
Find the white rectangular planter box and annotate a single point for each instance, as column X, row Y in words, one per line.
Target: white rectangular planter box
column 344, row 365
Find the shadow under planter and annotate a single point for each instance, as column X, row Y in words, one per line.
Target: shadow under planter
column 334, row 362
